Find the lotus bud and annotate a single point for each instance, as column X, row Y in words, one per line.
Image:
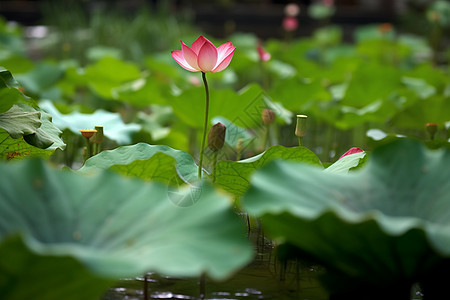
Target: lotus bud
column 263, row 54
column 352, row 150
column 432, row 129
column 290, row 23
column 216, row 137
column 300, row 129
column 385, row 28
column 292, row 10
column 267, row 116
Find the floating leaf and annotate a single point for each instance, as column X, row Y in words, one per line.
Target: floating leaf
column 156, row 162
column 114, row 128
column 107, row 226
column 234, row 176
column 384, row 224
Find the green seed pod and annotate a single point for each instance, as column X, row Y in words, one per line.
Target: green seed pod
column 216, row 137
column 300, row 129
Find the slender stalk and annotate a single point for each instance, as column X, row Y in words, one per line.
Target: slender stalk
column 265, row 136
column 214, row 166
column 300, row 142
column 88, row 150
column 205, row 128
column 203, row 286
column 146, row 287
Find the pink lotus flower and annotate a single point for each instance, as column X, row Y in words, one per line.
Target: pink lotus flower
column 263, row 55
column 290, row 23
column 204, row 56
column 352, row 150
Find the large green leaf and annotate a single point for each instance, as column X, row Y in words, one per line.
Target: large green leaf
column 234, row 176
column 10, row 94
column 23, row 264
column 150, row 162
column 369, row 83
column 110, row 73
column 18, row 148
column 42, row 77
column 6, row 79
column 48, row 136
column 384, row 224
column 114, row 128
column 20, row 120
column 111, row 227
column 243, row 108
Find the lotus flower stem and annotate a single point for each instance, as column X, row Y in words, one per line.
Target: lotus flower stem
column 205, row 128
column 239, row 148
column 146, row 287
column 214, row 166
column 265, row 136
column 202, row 286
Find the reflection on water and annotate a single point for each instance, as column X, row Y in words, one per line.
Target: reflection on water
column 265, row 278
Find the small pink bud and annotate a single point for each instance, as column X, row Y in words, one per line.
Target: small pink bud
column 267, row 116
column 290, row 23
column 216, row 137
column 352, row 150
column 263, row 55
column 328, row 2
column 292, row 10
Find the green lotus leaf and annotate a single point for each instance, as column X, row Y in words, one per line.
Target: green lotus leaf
column 234, row 176
column 48, row 136
column 111, row 227
column 114, row 128
column 155, row 162
column 10, row 94
column 6, row 79
column 384, row 224
column 369, row 83
column 42, row 77
column 243, row 108
column 110, row 73
column 23, row 264
column 156, row 123
column 433, row 109
column 18, row 148
column 20, row 120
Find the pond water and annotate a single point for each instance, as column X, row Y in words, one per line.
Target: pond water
column 264, row 278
